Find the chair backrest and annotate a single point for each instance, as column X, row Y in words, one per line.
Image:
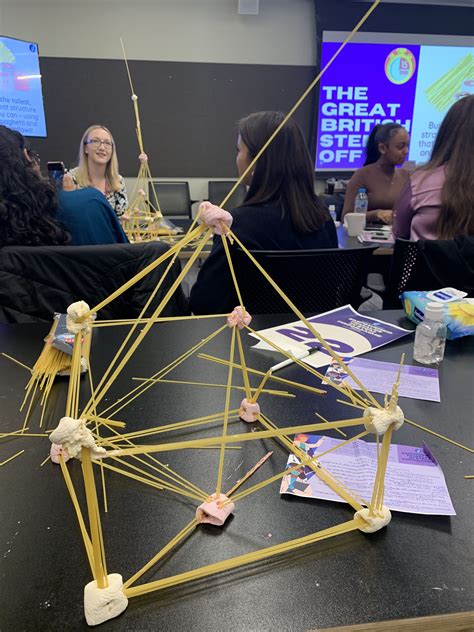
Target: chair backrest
column 218, row 189
column 408, row 271
column 315, row 280
column 37, row 281
column 174, row 197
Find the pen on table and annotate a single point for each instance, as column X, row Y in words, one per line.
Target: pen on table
column 298, row 356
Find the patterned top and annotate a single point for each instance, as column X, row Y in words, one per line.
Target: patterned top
column 118, row 200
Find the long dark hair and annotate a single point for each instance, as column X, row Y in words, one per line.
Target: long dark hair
column 454, row 148
column 284, row 172
column 380, row 134
column 27, row 202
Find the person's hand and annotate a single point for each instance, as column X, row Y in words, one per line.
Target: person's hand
column 68, row 183
column 385, row 216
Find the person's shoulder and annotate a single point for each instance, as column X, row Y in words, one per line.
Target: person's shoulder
column 363, row 174
column 431, row 178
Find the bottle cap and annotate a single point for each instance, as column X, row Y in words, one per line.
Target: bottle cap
column 434, row 310
column 332, row 207
column 363, row 189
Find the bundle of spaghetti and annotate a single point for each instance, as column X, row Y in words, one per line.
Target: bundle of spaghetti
column 141, row 321
column 220, row 468
column 247, row 558
column 50, row 363
column 442, row 91
column 378, row 490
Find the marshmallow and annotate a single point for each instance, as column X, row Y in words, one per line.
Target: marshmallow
column 374, row 523
column 380, row 419
column 143, row 157
column 249, row 411
column 56, row 451
column 237, row 318
column 102, row 604
column 213, row 216
column 134, row 97
column 73, row 435
column 212, row 512
column 75, row 311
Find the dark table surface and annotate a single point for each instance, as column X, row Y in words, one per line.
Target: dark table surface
column 419, row 565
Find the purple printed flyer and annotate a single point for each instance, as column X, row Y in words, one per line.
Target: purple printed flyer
column 417, row 382
column 347, row 332
column 414, row 481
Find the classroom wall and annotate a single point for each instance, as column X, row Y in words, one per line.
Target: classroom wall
column 209, row 31
column 197, row 67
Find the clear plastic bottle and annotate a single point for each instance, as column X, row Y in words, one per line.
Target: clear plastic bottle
column 430, row 335
column 332, row 212
column 361, row 202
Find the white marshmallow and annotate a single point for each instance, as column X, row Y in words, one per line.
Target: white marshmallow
column 74, row 312
column 102, row 604
column 73, row 435
column 374, row 523
column 380, row 419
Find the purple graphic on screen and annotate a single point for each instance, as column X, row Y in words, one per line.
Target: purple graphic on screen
column 366, row 84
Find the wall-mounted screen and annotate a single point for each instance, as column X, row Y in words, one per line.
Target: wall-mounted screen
column 381, row 77
column 21, row 96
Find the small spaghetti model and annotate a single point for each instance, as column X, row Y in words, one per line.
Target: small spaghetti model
column 143, row 219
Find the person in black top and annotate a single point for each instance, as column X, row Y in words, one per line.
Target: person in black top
column 281, row 210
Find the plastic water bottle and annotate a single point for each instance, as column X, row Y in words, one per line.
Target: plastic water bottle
column 430, row 336
column 361, row 202
column 332, row 212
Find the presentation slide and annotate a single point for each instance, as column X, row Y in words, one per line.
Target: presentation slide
column 371, row 83
column 21, row 97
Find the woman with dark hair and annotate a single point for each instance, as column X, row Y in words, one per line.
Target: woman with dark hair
column 28, row 205
column 280, row 212
column 438, row 203
column 32, row 214
column 386, row 148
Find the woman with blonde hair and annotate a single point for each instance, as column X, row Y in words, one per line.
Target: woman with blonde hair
column 98, row 168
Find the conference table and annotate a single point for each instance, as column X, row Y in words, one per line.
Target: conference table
column 417, row 566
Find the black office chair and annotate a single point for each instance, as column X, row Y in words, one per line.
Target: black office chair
column 315, row 280
column 36, row 281
column 430, row 264
column 218, row 190
column 408, row 271
column 174, row 198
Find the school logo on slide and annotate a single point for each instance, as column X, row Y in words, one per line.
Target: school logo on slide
column 400, row 65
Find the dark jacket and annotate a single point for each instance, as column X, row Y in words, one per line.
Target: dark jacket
column 259, row 227
column 89, row 218
column 37, row 281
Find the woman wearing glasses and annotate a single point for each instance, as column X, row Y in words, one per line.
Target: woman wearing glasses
column 98, row 168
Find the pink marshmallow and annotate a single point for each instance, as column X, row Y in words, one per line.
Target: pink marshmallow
column 55, row 452
column 212, row 512
column 237, row 318
column 213, row 216
column 249, row 411
column 143, row 158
